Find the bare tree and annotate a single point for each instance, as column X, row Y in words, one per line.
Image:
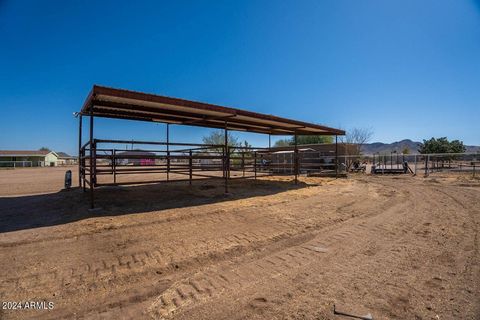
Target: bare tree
column 357, row 137
column 354, row 140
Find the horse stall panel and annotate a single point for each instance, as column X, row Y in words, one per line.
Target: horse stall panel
column 156, row 162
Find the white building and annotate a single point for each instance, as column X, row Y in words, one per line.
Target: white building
column 28, row 158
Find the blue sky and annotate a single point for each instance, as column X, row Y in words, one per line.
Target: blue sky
column 407, row 69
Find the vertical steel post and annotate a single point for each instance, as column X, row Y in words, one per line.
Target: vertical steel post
column 415, row 164
column 190, row 164
column 270, row 153
column 84, row 161
column 79, row 151
column 243, row 163
column 92, row 185
column 168, row 151
column 373, row 162
column 336, row 156
column 255, row 163
column 384, row 163
column 226, row 159
column 223, row 162
column 111, row 162
column 114, row 166
column 295, row 157
column 426, row 165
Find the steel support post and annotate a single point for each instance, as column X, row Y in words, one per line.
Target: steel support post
column 415, row 164
column 426, row 165
column 111, row 162
column 79, row 151
column 168, row 151
column 373, row 162
column 336, row 156
column 228, row 162
column 84, row 161
column 295, row 154
column 255, row 163
column 114, row 160
column 92, row 150
column 226, row 159
column 243, row 163
column 190, row 164
column 270, row 153
column 384, row 163
column 223, row 162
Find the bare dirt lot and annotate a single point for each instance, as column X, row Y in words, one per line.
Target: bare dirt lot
column 395, row 247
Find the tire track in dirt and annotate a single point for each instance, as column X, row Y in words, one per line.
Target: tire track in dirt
column 165, row 258
column 345, row 244
column 188, row 214
column 184, row 294
column 472, row 267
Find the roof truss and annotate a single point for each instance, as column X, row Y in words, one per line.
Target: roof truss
column 131, row 105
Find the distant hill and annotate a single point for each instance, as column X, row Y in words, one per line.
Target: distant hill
column 380, row 147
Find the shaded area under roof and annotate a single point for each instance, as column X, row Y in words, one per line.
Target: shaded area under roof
column 131, row 105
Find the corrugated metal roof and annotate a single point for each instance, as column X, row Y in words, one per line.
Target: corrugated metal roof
column 132, row 105
column 64, row 155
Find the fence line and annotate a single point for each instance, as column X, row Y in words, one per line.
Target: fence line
column 425, row 164
column 15, row 164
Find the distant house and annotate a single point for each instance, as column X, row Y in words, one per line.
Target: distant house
column 28, row 158
column 65, row 159
column 136, row 158
column 324, row 149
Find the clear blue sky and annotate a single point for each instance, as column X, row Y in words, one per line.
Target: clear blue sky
column 408, row 69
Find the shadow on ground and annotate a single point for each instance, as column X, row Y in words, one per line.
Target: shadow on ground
column 34, row 211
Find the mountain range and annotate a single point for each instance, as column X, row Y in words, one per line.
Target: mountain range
column 399, row 146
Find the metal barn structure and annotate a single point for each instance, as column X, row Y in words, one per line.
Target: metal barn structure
column 102, row 158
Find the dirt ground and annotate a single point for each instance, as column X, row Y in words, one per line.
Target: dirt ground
column 396, row 247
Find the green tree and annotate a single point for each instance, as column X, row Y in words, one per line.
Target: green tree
column 456, row 146
column 314, row 139
column 217, row 137
column 282, row 143
column 406, row 150
column 441, row 145
column 308, row 139
column 44, row 149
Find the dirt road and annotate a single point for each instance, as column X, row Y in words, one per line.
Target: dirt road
column 398, row 248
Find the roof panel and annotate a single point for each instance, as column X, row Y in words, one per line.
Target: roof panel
column 156, row 105
column 132, row 105
column 20, row 153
